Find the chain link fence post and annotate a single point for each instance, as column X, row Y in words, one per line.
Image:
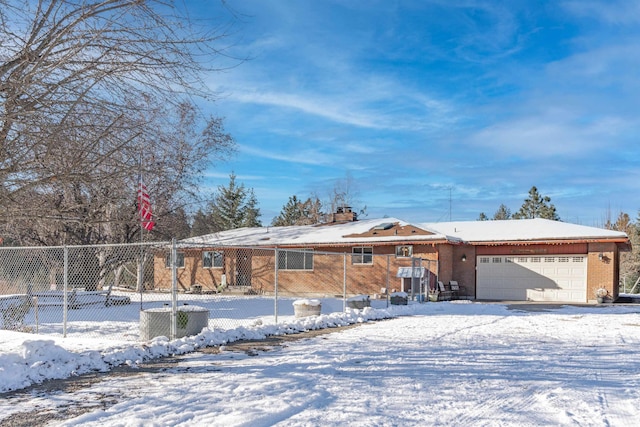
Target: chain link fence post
column 275, row 285
column 174, row 289
column 344, row 283
column 65, row 282
column 388, row 282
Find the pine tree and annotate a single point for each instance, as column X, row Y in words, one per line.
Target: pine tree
column 233, row 207
column 251, row 212
column 313, row 213
column 536, row 206
column 201, row 224
column 502, row 213
column 289, row 214
column 629, row 260
column 176, row 224
column 483, row 217
column 296, row 212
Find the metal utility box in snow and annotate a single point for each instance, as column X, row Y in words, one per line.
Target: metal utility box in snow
column 306, row 308
column 359, row 302
column 156, row 322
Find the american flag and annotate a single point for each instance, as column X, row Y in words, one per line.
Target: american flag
column 144, row 206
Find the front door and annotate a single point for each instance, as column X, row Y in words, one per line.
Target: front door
column 243, row 267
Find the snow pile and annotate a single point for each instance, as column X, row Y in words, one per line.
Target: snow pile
column 37, row 360
column 311, row 302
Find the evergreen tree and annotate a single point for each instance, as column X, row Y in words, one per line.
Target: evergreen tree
column 251, row 214
column 483, row 217
column 313, row 213
column 289, row 214
column 233, row 207
column 296, row 212
column 536, row 206
column 629, row 260
column 201, row 224
column 175, row 224
column 503, row 212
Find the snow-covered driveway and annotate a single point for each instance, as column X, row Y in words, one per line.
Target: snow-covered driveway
column 453, row 364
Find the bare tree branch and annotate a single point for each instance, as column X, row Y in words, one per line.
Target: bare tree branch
column 85, row 88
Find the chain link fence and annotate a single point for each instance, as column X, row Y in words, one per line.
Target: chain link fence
column 118, row 291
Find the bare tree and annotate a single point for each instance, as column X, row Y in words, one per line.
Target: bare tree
column 345, row 193
column 89, row 91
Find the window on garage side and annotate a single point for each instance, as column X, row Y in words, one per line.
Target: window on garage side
column 362, row 255
column 212, row 259
column 295, row 259
column 179, row 260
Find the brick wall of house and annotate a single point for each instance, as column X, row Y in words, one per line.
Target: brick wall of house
column 326, row 278
column 237, row 269
column 445, row 260
column 464, row 272
column 602, row 273
column 162, row 274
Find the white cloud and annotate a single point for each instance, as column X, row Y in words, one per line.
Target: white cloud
column 609, row 11
column 549, row 135
column 302, row 156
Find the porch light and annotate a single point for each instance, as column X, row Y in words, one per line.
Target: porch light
column 600, row 256
column 464, row 258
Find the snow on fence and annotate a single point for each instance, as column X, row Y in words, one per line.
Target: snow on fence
column 102, row 291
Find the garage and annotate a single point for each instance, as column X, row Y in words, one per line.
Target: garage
column 532, row 278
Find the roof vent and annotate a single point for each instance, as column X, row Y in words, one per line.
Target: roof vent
column 383, row 226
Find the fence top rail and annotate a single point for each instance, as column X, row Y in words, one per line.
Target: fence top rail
column 103, row 245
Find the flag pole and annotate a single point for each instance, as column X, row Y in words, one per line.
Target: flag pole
column 141, row 273
column 146, row 221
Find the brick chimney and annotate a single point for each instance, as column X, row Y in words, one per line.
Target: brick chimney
column 344, row 214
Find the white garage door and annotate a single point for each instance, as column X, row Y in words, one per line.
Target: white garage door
column 532, row 278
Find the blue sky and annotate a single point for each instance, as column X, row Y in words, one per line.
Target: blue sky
column 435, row 109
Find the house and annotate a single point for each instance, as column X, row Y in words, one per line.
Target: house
column 528, row 260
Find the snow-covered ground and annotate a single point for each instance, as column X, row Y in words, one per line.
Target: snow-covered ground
column 457, row 363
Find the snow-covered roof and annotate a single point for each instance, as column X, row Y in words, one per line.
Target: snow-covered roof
column 324, row 234
column 348, row 233
column 520, row 230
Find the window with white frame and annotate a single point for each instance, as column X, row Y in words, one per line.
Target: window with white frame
column 404, row 251
column 179, row 260
column 362, row 255
column 212, row 259
column 299, row 259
